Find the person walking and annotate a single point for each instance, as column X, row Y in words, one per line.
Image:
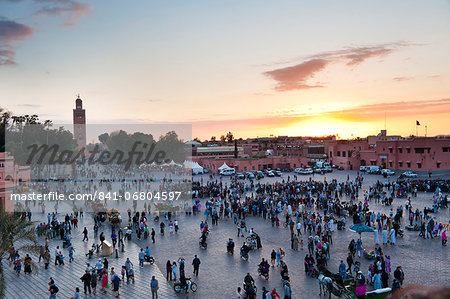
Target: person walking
column 287, row 291
column 169, row 271
column 350, row 262
column 53, row 289
column 273, row 257
column 154, row 287
column 116, row 284
column 77, row 294
column 399, row 275
column 274, row 294
column 196, row 263
column 86, row 279
column 94, row 281
column 174, row 270
column 153, row 235
column 104, row 280
column 141, row 258
column 239, row 293
column 85, row 233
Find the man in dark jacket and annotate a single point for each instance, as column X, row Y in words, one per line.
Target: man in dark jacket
column 86, row 278
column 196, row 263
column 399, row 274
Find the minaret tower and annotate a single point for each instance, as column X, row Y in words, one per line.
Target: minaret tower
column 79, row 124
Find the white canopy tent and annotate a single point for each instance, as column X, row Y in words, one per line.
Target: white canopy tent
column 173, row 163
column 196, row 168
column 224, row 166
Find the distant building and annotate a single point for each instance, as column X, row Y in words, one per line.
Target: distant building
column 393, row 152
column 13, row 178
column 217, row 152
column 79, row 124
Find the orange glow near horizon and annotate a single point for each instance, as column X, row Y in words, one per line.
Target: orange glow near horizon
column 325, row 126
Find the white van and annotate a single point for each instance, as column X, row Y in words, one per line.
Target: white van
column 228, row 171
column 373, row 169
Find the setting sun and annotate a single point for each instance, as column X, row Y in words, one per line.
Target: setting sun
column 324, row 126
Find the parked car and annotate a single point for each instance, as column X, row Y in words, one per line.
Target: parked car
column 362, row 168
column 387, row 172
column 373, row 169
column 270, row 174
column 409, row 174
column 304, row 171
column 340, row 168
column 240, row 176
column 228, row 171
column 319, row 170
column 259, row 175
column 250, row 175
column 277, row 172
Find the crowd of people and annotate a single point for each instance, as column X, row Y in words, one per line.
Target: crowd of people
column 311, row 210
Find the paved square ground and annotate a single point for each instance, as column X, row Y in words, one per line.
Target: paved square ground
column 423, row 261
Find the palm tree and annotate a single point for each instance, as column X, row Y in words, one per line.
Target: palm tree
column 19, row 233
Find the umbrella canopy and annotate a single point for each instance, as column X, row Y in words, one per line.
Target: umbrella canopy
column 361, row 228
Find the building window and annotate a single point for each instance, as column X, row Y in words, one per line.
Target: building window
column 438, row 165
column 390, row 164
column 338, row 153
column 408, row 150
column 419, row 150
column 373, row 163
column 419, row 165
column 343, row 153
column 408, row 164
column 400, row 164
column 331, row 154
column 446, row 149
column 349, row 154
column 390, row 150
column 400, row 150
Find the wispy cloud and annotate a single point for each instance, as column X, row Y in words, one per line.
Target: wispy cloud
column 29, row 105
column 11, row 32
column 297, row 76
column 400, row 79
column 71, row 10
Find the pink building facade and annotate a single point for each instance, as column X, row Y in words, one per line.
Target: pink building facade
column 393, row 152
column 12, row 178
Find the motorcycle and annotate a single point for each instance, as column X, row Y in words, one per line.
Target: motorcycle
column 262, row 274
column 203, row 245
column 149, row 259
column 244, row 255
column 247, row 286
column 178, row 286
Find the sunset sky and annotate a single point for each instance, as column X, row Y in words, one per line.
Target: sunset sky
column 255, row 68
